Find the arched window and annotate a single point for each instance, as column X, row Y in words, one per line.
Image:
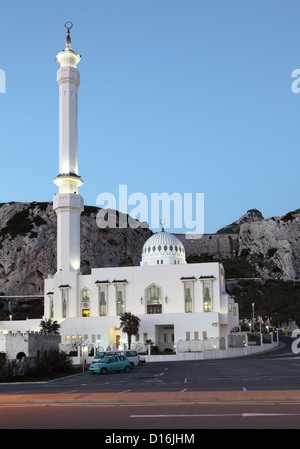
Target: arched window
column 85, row 295
column 154, row 302
column 102, row 297
column 188, row 293
column 102, row 303
column 120, row 302
column 64, row 289
column 64, row 302
column 120, row 297
column 207, row 296
column 188, row 300
column 51, row 305
column 85, row 302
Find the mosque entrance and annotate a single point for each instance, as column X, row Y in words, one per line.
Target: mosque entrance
column 113, row 337
column 164, row 337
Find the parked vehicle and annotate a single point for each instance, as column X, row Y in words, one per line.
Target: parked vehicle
column 141, row 359
column 131, row 355
column 100, row 355
column 110, row 363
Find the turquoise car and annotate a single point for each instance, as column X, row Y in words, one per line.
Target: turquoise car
column 112, row 363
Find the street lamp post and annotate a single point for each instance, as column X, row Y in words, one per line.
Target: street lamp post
column 82, row 348
column 253, row 316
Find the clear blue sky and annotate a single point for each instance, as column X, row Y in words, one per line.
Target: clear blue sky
column 175, row 96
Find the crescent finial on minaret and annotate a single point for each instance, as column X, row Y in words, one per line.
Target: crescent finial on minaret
column 68, row 26
column 68, row 57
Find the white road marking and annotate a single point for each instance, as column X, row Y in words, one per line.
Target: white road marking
column 216, row 415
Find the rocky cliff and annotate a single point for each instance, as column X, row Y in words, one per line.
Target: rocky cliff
column 272, row 245
column 268, row 248
column 253, row 246
column 252, row 215
column 28, row 246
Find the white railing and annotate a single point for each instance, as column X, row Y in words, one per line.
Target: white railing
column 224, row 343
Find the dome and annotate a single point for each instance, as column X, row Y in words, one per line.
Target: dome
column 163, row 248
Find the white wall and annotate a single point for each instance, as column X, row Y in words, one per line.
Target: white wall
column 165, row 276
column 168, row 278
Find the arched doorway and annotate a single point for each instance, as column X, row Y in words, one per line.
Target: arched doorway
column 20, row 355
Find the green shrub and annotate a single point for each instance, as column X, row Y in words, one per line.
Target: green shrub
column 53, row 362
column 18, row 224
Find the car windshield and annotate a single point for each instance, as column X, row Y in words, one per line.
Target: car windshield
column 105, row 359
column 100, row 355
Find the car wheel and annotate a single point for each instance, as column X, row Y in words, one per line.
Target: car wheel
column 127, row 369
column 103, row 371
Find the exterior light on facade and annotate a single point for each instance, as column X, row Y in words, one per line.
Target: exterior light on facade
column 75, row 264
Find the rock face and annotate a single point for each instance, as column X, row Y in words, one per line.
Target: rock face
column 270, row 245
column 273, row 245
column 252, row 215
column 28, row 245
column 222, row 245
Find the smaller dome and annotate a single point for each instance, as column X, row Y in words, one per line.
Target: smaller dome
column 163, row 249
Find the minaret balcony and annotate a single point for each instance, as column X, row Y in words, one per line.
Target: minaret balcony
column 68, row 58
column 68, row 182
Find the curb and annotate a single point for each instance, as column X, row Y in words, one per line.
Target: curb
column 105, row 398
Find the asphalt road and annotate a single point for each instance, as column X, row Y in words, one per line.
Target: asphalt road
column 255, row 392
column 174, row 418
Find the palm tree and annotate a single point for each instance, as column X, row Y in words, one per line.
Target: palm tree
column 49, row 326
column 129, row 324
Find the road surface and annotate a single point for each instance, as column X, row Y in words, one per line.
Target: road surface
column 261, row 391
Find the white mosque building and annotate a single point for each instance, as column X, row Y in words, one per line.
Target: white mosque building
column 175, row 301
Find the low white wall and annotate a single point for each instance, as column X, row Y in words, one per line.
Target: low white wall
column 204, row 355
column 213, row 354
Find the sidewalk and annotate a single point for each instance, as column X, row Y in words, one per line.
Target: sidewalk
column 167, row 397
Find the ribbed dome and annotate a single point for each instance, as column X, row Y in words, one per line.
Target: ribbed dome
column 163, row 248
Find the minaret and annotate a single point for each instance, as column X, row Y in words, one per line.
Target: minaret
column 67, row 204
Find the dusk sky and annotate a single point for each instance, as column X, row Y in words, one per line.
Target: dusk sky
column 187, row 96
